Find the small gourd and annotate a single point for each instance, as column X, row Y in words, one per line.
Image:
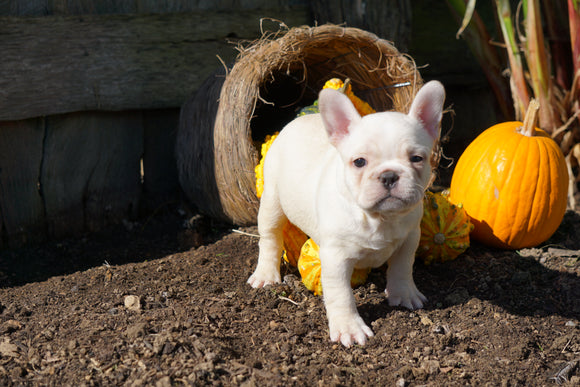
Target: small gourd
column 445, row 229
column 513, row 183
column 309, row 268
column 345, row 87
column 293, row 237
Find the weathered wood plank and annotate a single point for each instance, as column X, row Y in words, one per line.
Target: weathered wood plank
column 83, row 7
column 52, row 65
column 388, row 19
column 21, row 205
column 160, row 181
column 90, row 173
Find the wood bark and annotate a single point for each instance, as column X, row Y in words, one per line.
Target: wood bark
column 59, row 64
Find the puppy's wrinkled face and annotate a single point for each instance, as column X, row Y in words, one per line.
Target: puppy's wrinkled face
column 386, row 162
column 385, row 155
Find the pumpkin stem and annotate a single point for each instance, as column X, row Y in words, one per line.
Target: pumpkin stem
column 530, row 119
column 345, row 85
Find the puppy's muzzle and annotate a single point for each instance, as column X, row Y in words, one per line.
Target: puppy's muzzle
column 389, row 179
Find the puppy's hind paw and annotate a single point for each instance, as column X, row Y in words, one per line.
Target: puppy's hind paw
column 261, row 278
column 349, row 331
column 406, row 295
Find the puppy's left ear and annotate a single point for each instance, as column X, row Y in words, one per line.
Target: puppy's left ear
column 427, row 107
column 338, row 114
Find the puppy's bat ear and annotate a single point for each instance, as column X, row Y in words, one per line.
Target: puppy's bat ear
column 427, row 107
column 338, row 114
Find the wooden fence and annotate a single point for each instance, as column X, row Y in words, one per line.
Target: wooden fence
column 90, row 94
column 89, row 104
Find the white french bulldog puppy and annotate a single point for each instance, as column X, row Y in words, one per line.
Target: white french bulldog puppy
column 355, row 185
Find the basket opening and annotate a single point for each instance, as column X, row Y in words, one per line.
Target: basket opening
column 280, row 101
column 282, row 98
column 270, row 82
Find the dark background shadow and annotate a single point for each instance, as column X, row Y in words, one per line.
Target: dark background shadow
column 531, row 282
column 164, row 233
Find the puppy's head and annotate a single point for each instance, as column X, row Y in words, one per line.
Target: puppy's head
column 385, row 155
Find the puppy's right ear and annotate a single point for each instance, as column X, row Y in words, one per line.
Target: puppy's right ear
column 338, row 114
column 427, row 107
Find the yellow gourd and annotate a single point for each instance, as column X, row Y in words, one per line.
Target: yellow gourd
column 445, row 229
column 345, row 87
column 309, row 268
column 293, row 237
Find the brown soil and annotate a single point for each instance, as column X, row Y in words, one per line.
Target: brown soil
column 493, row 318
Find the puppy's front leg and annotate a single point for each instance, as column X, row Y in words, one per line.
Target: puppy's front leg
column 271, row 220
column 344, row 322
column 401, row 288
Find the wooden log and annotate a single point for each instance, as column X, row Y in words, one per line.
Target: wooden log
column 91, row 170
column 195, row 147
column 21, row 204
column 56, row 64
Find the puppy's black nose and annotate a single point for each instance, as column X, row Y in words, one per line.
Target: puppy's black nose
column 388, row 179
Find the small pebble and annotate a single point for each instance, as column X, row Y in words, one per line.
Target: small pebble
column 400, row 382
column 132, row 303
column 426, row 321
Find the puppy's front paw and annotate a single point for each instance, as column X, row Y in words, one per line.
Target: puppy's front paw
column 263, row 277
column 405, row 294
column 349, row 330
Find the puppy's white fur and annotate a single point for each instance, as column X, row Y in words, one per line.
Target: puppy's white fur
column 355, row 186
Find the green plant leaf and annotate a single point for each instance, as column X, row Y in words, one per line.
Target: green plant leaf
column 520, row 94
column 467, row 15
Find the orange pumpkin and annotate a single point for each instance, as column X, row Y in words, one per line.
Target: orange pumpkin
column 513, row 182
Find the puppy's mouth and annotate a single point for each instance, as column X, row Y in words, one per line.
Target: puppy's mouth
column 391, row 202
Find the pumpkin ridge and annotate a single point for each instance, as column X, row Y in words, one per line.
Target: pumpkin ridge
column 451, row 227
column 531, row 193
column 554, row 208
column 501, row 178
column 557, row 207
column 559, row 169
column 543, row 181
column 469, row 182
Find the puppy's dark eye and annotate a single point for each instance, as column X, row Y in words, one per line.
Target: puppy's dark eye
column 415, row 159
column 360, row 162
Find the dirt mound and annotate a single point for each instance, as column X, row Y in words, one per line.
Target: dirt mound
column 494, row 317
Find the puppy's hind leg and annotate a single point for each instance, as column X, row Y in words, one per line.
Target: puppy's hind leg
column 271, row 220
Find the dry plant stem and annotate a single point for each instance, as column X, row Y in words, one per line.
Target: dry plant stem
column 530, row 119
column 477, row 38
column 574, row 21
column 518, row 83
column 539, row 66
column 555, row 15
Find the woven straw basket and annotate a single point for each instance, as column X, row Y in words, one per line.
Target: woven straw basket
column 222, row 124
